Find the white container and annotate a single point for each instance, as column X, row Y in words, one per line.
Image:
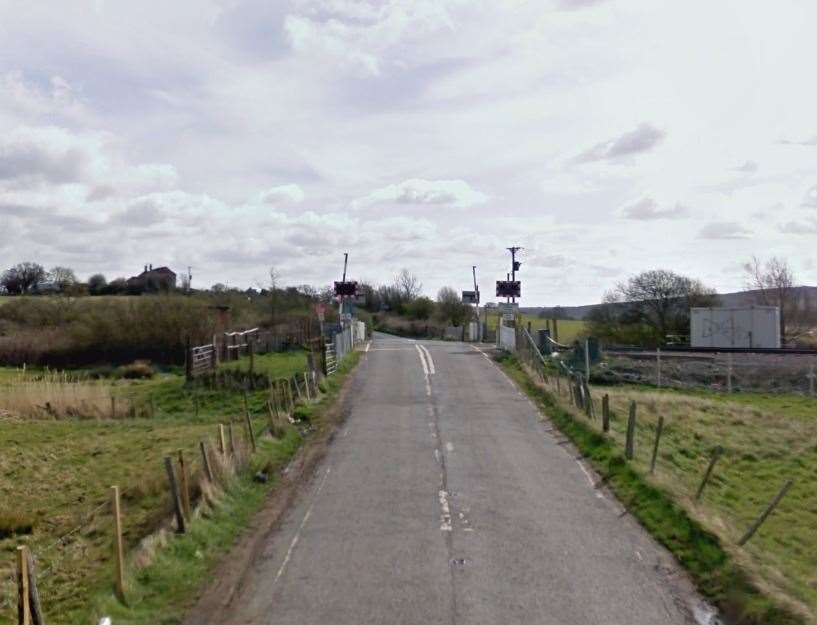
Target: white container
column 747, row 326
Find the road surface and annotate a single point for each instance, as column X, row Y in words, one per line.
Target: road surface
column 445, row 499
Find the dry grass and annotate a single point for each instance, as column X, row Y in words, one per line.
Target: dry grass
column 766, row 442
column 58, row 395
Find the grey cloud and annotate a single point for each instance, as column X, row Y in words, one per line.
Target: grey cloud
column 101, row 192
column 141, row 214
column 647, row 209
column 799, row 227
column 642, row 139
column 748, row 167
column 724, row 230
column 573, row 5
column 805, row 142
column 33, row 161
column 810, row 199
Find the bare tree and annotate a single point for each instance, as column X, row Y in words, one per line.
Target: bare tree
column 408, row 286
column 23, row 278
column 773, row 282
column 658, row 299
column 62, row 277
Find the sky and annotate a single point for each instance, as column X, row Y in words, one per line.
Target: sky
column 605, row 137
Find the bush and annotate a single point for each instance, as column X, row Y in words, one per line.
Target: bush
column 139, row 370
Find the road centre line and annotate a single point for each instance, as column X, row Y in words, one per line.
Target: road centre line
column 297, row 536
column 431, row 368
column 422, row 360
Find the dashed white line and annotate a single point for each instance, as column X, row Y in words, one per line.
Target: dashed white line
column 297, row 536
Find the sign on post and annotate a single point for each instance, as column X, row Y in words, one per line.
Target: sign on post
column 470, row 297
column 508, row 288
column 346, row 289
column 509, row 310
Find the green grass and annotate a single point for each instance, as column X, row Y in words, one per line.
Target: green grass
column 763, row 449
column 569, row 329
column 281, row 365
column 56, row 475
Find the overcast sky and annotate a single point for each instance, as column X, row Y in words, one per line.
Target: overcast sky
column 605, row 137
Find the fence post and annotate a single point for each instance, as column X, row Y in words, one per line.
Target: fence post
column 174, row 495
column 658, row 363
column 113, row 407
column 587, row 359
column 188, row 360
column 770, row 508
column 222, row 446
column 249, row 427
column 716, row 454
column 658, row 432
column 35, row 606
column 306, row 387
column 23, row 602
column 214, row 361
column 208, row 471
column 629, row 449
column 297, row 388
column 185, row 485
column 605, row 413
column 119, row 550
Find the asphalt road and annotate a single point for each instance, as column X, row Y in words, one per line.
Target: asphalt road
column 447, row 499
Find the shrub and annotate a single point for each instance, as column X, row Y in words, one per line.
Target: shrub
column 139, row 370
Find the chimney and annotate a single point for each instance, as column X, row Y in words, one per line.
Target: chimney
column 146, row 268
column 151, row 266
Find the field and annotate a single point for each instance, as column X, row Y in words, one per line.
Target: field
column 766, row 440
column 56, row 473
column 569, row 329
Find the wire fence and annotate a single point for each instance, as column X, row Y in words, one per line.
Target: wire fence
column 741, row 470
column 77, row 556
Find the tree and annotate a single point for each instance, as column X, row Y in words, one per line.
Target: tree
column 450, row 307
column 421, row 308
column 773, row 281
column 408, row 286
column 660, row 300
column 23, row 278
column 97, row 284
column 62, row 277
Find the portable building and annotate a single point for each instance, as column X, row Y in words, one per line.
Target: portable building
column 755, row 327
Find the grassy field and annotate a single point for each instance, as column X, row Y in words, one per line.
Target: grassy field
column 55, row 476
column 767, row 440
column 569, row 329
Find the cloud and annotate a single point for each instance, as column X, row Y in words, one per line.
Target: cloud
column 810, row 199
column 799, row 227
column 647, row 209
column 49, row 154
column 574, row 5
column 287, row 193
column 416, row 191
column 748, row 167
column 642, row 139
column 724, row 230
column 804, row 142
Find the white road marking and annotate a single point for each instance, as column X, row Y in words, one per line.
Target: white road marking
column 449, row 446
column 368, row 345
column 431, row 368
column 445, row 521
column 586, row 473
column 422, row 360
column 297, row 536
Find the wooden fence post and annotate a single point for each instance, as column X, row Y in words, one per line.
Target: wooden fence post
column 769, row 509
column 208, row 471
column 23, row 601
column 249, row 428
column 188, row 360
column 222, row 446
column 629, row 448
column 605, row 413
column 185, row 485
column 113, row 407
column 174, row 495
column 35, row 605
column 119, row 549
column 658, row 432
column 230, row 437
column 716, row 454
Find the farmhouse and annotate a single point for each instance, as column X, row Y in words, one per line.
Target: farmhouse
column 152, row 280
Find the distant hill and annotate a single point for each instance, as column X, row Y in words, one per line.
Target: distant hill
column 807, row 296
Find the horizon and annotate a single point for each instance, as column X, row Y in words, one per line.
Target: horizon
column 233, row 137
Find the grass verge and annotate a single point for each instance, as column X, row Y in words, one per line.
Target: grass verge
column 718, row 576
column 164, row 590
